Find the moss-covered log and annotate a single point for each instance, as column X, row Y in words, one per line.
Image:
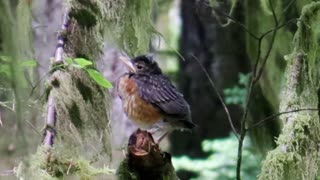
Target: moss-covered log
column 145, row 160
column 297, row 155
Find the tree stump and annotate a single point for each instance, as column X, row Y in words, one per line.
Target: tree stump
column 145, row 160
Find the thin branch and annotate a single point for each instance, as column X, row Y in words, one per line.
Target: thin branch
column 50, row 123
column 43, row 77
column 287, row 8
column 7, row 172
column 234, row 20
column 3, row 104
column 219, row 97
column 243, row 129
column 257, row 72
column 256, row 76
column 232, row 8
column 238, row 23
column 279, row 114
column 37, row 83
column 61, row 39
column 273, row 13
column 33, row 127
column 277, row 27
column 1, row 124
column 267, row 54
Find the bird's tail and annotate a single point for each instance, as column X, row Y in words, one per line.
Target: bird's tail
column 188, row 124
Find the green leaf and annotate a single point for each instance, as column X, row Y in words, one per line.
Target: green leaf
column 28, row 63
column 77, row 66
column 68, row 61
column 98, row 77
column 82, row 62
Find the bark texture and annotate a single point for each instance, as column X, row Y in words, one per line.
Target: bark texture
column 145, row 160
column 221, row 51
column 297, row 155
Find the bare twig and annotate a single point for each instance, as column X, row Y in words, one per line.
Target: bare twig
column 7, row 172
column 43, row 77
column 279, row 114
column 256, row 76
column 274, row 14
column 50, row 123
column 238, row 23
column 33, row 127
column 37, row 83
column 3, row 104
column 1, row 125
column 61, row 39
column 287, row 8
column 70, row 166
column 219, row 97
column 257, row 72
column 232, row 8
column 51, row 114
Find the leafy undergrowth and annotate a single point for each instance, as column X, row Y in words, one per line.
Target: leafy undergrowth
column 221, row 163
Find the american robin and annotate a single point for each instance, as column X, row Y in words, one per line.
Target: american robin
column 150, row 99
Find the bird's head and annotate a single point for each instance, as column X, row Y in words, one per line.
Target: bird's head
column 143, row 64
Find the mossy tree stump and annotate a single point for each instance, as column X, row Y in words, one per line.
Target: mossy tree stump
column 145, row 160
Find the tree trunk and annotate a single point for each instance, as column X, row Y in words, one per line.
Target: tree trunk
column 221, row 51
column 297, row 154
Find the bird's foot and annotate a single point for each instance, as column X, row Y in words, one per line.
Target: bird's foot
column 158, row 132
column 153, row 130
column 165, row 134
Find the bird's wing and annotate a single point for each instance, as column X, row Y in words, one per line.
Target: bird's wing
column 158, row 90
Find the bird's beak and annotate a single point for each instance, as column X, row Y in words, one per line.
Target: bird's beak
column 128, row 63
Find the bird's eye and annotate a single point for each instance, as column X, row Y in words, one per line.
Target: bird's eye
column 139, row 66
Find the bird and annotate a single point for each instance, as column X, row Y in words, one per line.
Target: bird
column 150, row 99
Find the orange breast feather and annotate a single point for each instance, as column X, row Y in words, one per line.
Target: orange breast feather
column 144, row 114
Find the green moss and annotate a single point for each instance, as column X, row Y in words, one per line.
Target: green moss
column 82, row 138
column 82, row 113
column 74, row 114
column 85, row 91
column 84, row 18
column 124, row 172
column 91, row 5
column 297, row 155
column 132, row 28
column 307, row 38
column 54, row 163
column 126, row 23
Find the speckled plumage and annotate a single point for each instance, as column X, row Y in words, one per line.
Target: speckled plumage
column 149, row 97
